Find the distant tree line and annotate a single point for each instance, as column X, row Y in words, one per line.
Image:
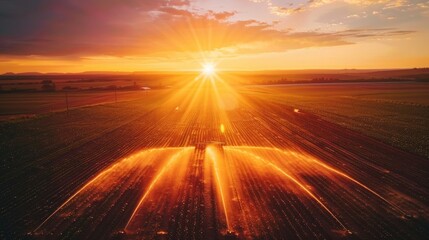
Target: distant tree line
column 48, row 86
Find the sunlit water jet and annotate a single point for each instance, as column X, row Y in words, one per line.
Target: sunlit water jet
column 170, row 162
column 338, row 172
column 257, row 158
column 215, row 156
column 128, row 170
column 230, row 167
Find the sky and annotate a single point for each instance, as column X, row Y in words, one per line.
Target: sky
column 175, row 35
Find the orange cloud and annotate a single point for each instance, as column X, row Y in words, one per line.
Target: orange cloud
column 173, row 30
column 150, row 31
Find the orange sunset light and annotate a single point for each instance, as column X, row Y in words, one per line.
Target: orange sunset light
column 243, row 35
column 214, row 119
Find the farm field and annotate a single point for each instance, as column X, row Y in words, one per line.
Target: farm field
column 216, row 162
column 395, row 113
column 25, row 105
column 214, row 120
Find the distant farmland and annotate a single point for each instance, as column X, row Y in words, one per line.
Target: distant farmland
column 394, row 113
column 397, row 114
column 24, row 105
column 210, row 160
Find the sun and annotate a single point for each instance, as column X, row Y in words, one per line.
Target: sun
column 208, row 69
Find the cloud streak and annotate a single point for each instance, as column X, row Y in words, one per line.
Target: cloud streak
column 287, row 8
column 145, row 28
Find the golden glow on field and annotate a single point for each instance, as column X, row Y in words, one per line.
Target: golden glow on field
column 223, row 173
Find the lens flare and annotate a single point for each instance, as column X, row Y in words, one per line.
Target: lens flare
column 208, row 69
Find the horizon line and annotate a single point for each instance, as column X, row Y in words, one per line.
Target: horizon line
column 219, row 71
